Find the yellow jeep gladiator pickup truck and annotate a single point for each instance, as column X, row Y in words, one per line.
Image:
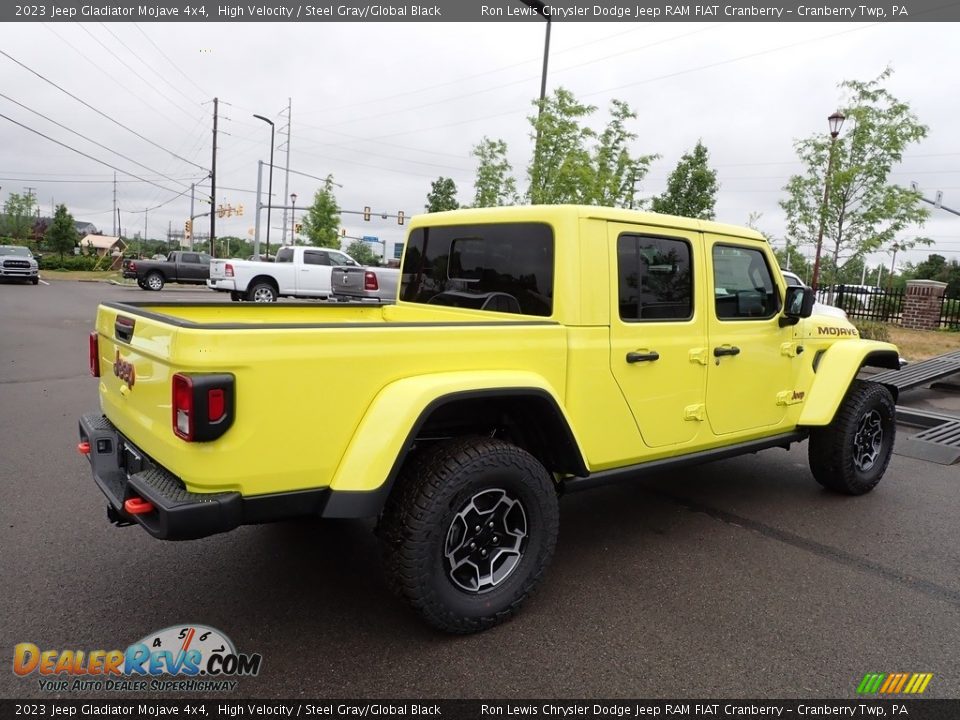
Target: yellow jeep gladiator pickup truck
column 584, row 345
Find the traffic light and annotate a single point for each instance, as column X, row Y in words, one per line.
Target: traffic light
column 366, row 212
column 400, row 217
column 188, row 228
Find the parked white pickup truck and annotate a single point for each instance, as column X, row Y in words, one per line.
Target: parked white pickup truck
column 298, row 271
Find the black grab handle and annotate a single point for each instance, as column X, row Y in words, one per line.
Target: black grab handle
column 721, row 351
column 635, row 357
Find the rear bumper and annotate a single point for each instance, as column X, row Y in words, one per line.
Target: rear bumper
column 222, row 285
column 123, row 472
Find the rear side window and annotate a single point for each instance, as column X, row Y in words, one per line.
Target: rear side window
column 191, row 258
column 655, row 278
column 743, row 284
column 504, row 267
column 315, row 257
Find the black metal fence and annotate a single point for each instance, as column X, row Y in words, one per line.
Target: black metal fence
column 862, row 302
column 950, row 312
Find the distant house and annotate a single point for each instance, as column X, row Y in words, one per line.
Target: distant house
column 104, row 244
column 86, row 228
column 42, row 224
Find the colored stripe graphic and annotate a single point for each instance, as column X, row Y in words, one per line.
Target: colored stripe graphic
column 894, row 683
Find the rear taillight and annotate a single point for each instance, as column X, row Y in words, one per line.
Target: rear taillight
column 183, row 407
column 94, row 354
column 228, row 270
column 370, row 281
column 202, row 406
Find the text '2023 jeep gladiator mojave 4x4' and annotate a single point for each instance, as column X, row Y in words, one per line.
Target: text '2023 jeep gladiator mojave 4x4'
column 636, row 342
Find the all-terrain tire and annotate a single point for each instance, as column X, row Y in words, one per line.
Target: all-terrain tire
column 851, row 454
column 427, row 532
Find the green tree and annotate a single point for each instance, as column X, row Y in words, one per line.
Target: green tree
column 691, row 188
column 362, row 253
column 62, row 235
column 494, row 185
column 18, row 211
column 572, row 163
column 864, row 212
column 321, row 222
column 442, row 195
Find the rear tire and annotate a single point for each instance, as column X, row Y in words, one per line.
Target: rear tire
column 468, row 532
column 851, row 454
column 262, row 292
column 154, row 281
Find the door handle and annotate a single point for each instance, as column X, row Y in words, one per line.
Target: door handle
column 726, row 350
column 635, row 357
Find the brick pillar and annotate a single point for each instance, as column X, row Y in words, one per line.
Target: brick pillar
column 921, row 304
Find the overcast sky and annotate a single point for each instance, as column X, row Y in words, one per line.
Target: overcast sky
column 387, row 108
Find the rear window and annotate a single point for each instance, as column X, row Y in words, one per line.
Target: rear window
column 504, row 267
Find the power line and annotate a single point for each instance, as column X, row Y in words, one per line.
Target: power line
column 80, row 152
column 102, row 114
column 84, row 137
column 175, row 66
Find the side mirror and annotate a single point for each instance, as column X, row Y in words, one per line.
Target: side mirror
column 798, row 304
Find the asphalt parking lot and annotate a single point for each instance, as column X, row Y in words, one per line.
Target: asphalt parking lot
column 737, row 579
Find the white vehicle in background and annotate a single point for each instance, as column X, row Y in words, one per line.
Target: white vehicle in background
column 793, row 280
column 297, row 271
column 18, row 263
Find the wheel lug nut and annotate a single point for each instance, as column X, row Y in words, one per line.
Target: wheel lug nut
column 483, row 553
column 473, row 546
column 477, row 529
column 495, row 540
column 490, row 525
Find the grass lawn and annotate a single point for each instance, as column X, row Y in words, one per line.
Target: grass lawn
column 922, row 344
column 49, row 275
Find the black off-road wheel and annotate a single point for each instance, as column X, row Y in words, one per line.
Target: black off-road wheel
column 851, row 454
column 468, row 532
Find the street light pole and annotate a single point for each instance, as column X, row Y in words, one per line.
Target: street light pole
column 540, row 7
column 270, row 181
column 293, row 217
column 836, row 122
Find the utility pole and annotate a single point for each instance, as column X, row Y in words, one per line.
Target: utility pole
column 146, row 212
column 286, row 175
column 213, row 183
column 114, row 204
column 190, row 239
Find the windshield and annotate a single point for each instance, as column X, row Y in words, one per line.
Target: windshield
column 15, row 250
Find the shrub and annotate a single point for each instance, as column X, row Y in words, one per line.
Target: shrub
column 71, row 262
column 872, row 330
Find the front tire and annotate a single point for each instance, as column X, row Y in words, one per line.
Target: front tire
column 851, row 454
column 468, row 532
column 262, row 293
column 154, row 281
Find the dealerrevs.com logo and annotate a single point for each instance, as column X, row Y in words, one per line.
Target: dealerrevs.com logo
column 180, row 658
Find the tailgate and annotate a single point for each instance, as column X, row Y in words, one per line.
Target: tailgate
column 349, row 281
column 218, row 270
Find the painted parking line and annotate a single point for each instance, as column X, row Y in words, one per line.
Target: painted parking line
column 44, row 282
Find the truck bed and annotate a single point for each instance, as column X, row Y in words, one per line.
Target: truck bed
column 305, row 374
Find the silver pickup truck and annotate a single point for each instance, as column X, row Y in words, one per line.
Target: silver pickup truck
column 365, row 283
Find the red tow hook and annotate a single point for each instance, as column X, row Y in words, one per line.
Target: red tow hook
column 137, row 506
column 83, row 448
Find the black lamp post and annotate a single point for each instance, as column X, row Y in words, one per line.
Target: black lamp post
column 270, row 181
column 540, row 7
column 836, row 122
